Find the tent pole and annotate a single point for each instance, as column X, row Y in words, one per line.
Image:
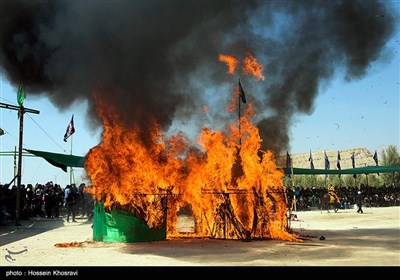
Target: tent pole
column 15, row 161
column 71, row 169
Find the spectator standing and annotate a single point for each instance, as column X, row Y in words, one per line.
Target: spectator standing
column 48, row 200
column 67, row 191
column 70, row 201
column 359, row 202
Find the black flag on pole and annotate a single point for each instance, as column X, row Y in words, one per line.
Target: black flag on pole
column 70, row 129
column 288, row 160
column 241, row 93
column 310, row 159
column 376, row 159
column 353, row 163
column 327, row 164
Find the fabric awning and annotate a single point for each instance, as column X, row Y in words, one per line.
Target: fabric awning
column 357, row 170
column 62, row 161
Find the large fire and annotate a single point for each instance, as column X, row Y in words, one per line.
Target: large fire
column 233, row 189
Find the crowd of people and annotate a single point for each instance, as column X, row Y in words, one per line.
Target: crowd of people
column 45, row 201
column 303, row 199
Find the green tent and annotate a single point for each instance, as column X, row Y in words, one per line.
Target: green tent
column 121, row 226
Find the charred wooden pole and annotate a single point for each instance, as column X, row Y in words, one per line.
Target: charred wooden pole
column 168, row 192
column 240, row 134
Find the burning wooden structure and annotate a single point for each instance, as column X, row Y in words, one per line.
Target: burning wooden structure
column 129, row 223
column 249, row 206
column 233, row 188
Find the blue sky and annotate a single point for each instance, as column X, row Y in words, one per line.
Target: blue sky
column 361, row 113
column 346, row 115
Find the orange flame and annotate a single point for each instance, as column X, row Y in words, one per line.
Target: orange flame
column 231, row 61
column 252, row 67
column 233, row 189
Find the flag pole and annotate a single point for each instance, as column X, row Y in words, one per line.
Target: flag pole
column 15, row 161
column 292, row 183
column 69, row 134
column 289, row 224
column 71, row 170
column 291, row 171
column 21, row 130
column 340, row 168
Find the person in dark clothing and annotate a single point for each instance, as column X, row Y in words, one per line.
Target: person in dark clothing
column 359, row 202
column 48, row 203
column 70, row 201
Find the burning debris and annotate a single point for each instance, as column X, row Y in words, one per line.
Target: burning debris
column 72, row 244
column 226, row 225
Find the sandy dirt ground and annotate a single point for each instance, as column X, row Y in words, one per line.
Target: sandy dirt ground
column 345, row 238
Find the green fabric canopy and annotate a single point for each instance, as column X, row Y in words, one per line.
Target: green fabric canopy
column 62, row 161
column 357, row 170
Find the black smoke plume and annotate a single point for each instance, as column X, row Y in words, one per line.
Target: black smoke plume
column 159, row 59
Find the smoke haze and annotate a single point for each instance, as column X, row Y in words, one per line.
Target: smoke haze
column 159, row 59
